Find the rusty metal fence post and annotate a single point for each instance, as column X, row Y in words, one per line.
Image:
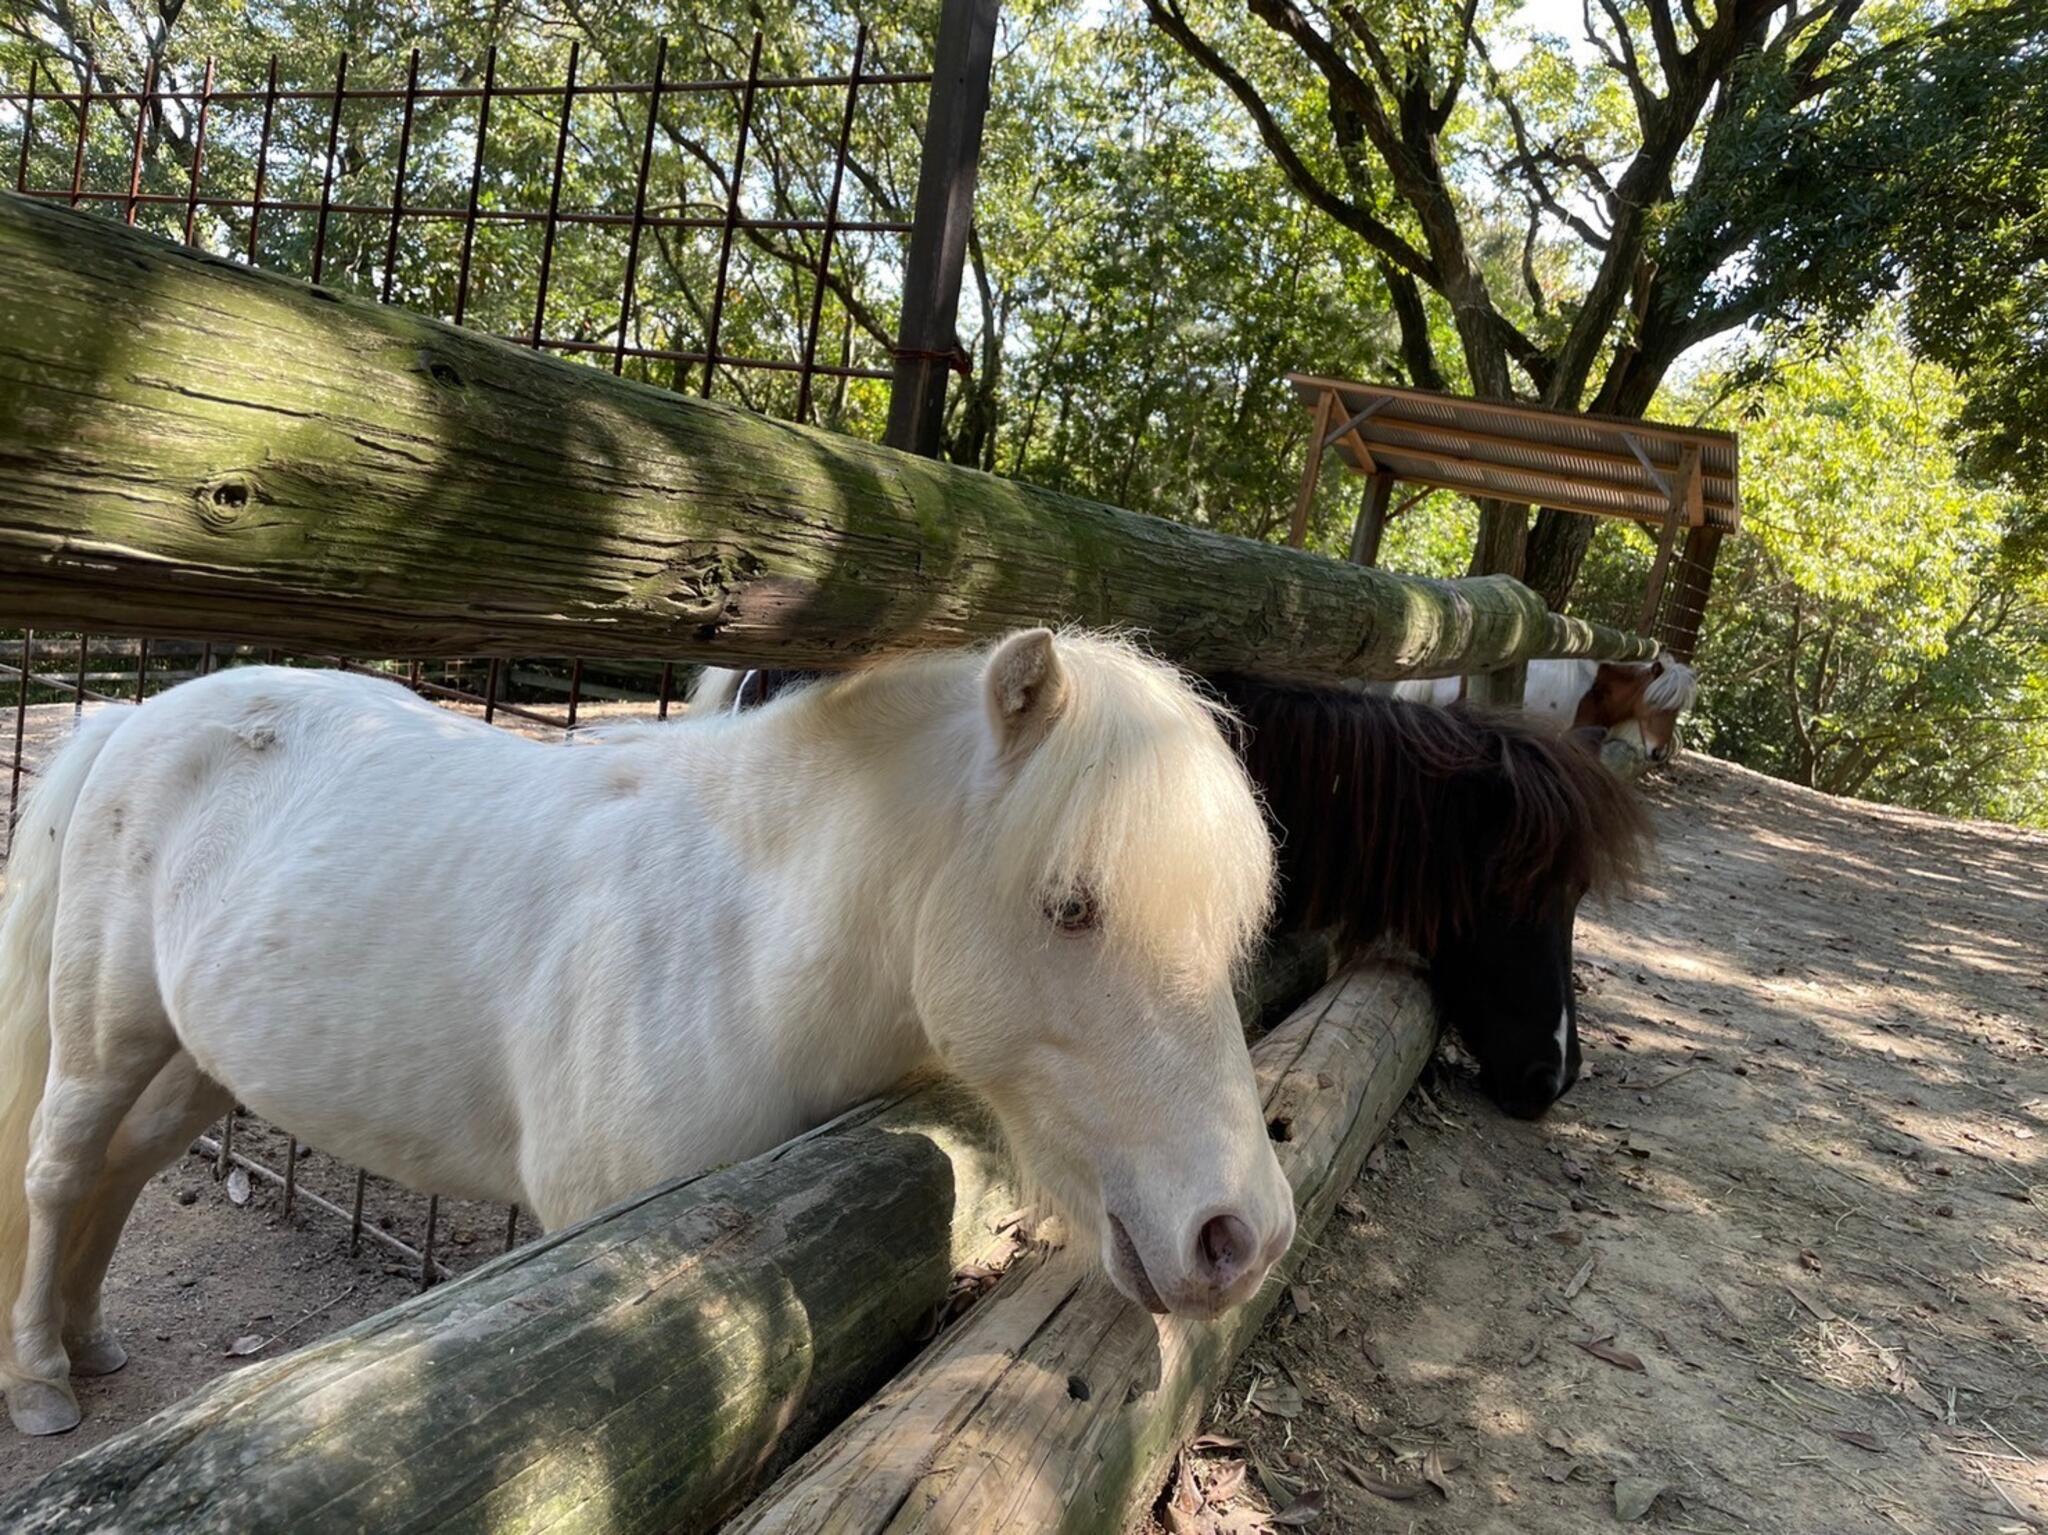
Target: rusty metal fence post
column 926, row 346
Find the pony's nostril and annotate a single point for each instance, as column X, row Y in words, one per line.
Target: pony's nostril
column 1224, row 1248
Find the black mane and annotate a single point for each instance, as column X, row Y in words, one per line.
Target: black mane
column 1426, row 822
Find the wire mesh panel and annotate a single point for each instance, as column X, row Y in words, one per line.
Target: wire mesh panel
column 725, row 234
column 733, row 233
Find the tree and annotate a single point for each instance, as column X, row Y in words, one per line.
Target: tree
column 1881, row 629
column 1421, row 128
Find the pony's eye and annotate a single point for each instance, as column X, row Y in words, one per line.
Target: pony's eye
column 1074, row 913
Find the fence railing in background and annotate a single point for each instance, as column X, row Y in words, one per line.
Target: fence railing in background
column 402, row 253
column 58, row 159
column 100, row 670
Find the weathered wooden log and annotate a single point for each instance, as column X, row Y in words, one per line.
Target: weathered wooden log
column 1057, row 1405
column 632, row 1372
column 639, row 1371
column 188, row 446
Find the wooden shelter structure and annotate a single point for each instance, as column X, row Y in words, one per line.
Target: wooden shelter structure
column 1669, row 479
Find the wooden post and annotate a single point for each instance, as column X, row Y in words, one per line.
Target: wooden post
column 1686, row 508
column 1679, row 632
column 1372, row 519
column 925, row 340
column 1297, row 531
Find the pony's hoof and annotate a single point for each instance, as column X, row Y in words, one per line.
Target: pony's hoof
column 101, row 1354
column 39, row 1408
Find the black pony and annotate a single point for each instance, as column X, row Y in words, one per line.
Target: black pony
column 1471, row 837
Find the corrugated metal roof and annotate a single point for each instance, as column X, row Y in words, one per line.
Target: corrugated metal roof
column 1607, row 466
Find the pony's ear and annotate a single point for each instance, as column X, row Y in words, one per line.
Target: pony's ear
column 1025, row 687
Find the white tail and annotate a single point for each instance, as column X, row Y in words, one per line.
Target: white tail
column 28, row 924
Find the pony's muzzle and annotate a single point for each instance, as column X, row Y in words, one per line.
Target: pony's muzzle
column 1539, row 1086
column 1228, row 1259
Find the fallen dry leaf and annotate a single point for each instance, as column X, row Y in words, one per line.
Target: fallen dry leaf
column 1436, row 1470
column 1578, row 1280
column 1620, row 1358
column 1278, row 1487
column 1395, row 1491
column 1813, row 1303
column 1180, row 1522
column 238, row 1185
column 245, row 1345
column 1277, row 1398
column 1304, row 1510
column 1216, row 1443
column 1633, row 1496
column 1226, row 1484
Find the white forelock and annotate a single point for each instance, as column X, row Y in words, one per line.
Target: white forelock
column 1677, row 687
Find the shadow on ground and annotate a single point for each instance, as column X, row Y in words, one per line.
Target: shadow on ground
column 1781, row 1258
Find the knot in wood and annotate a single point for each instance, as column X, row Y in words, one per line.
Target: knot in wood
column 441, row 371
column 224, row 499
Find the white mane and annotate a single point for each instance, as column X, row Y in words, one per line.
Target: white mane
column 1137, row 793
column 1133, row 793
column 713, row 691
column 1677, row 687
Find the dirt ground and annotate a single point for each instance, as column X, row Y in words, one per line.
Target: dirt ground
column 1778, row 1263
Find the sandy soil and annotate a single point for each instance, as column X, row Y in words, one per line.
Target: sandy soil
column 1778, row 1263
column 1780, row 1259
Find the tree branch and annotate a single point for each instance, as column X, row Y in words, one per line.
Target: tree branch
column 1671, row 58
column 1468, row 38
column 1418, row 352
column 1626, row 64
column 1385, row 240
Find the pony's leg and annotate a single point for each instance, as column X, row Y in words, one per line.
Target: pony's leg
column 155, row 1133
column 108, row 1041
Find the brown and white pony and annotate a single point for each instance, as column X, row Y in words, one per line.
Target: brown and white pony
column 1471, row 837
column 1639, row 702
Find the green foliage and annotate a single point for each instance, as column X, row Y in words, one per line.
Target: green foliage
column 1927, row 177
column 1879, row 629
column 1145, row 272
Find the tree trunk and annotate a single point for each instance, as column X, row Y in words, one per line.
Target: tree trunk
column 1058, row 1405
column 191, row 447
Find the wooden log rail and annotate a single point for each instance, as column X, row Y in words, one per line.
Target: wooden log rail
column 642, row 1370
column 190, row 447
column 634, row 1372
column 1057, row 1405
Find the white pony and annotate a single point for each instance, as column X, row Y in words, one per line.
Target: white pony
column 1639, row 702
column 501, row 970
